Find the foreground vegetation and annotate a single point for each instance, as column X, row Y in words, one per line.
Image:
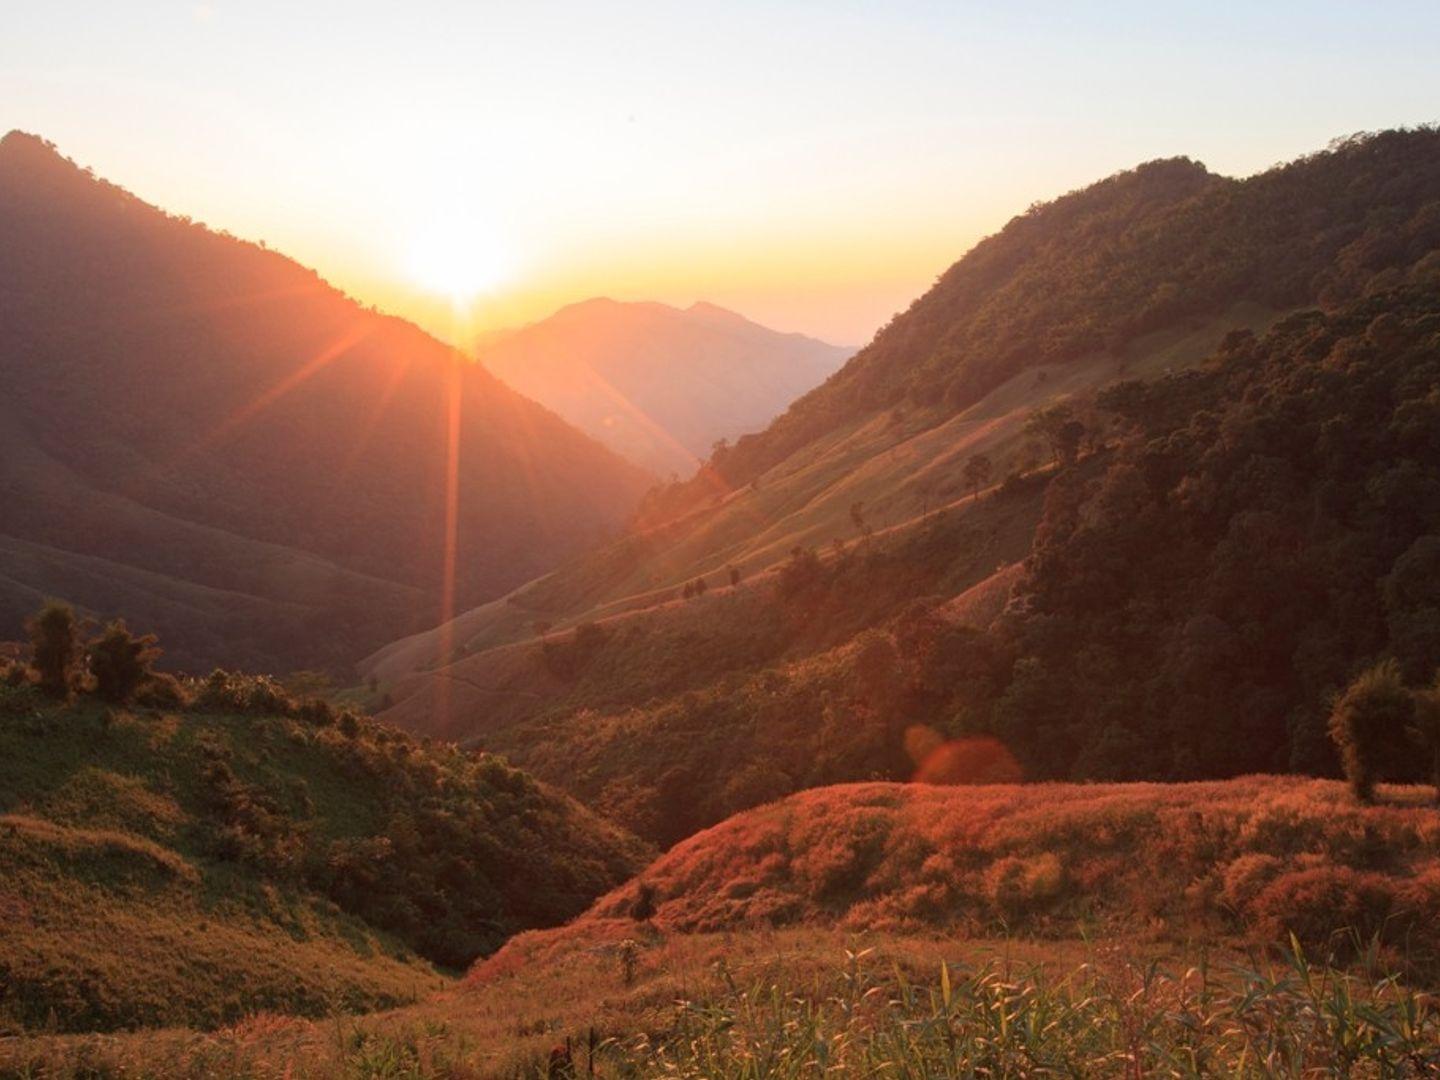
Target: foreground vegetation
column 201, row 850
column 811, row 1003
column 1247, row 862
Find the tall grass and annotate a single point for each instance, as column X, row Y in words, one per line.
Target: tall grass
column 993, row 1020
column 751, row 1007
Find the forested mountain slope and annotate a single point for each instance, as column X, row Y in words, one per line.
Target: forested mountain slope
column 1224, row 520
column 1138, row 252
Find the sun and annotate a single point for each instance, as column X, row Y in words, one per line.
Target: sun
column 457, row 257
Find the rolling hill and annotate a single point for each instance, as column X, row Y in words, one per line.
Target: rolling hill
column 925, row 930
column 657, row 384
column 204, row 435
column 1208, row 506
column 242, row 852
column 1255, row 857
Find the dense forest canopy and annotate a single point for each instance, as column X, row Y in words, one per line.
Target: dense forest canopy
column 1266, row 527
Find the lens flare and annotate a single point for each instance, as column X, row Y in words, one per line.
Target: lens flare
column 978, row 759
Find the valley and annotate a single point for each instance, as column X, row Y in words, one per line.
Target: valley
column 1049, row 689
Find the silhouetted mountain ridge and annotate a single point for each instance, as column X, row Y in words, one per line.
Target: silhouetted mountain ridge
column 163, row 378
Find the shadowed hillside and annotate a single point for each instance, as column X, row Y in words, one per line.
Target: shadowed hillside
column 203, row 434
column 657, row 384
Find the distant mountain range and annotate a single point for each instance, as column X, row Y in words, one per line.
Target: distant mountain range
column 658, row 384
column 203, row 435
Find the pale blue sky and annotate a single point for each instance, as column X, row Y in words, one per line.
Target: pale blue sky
column 815, row 165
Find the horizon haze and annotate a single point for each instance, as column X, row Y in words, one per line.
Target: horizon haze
column 477, row 167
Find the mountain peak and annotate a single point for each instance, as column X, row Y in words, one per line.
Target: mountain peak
column 21, row 147
column 16, row 140
column 714, row 313
column 705, row 307
column 658, row 383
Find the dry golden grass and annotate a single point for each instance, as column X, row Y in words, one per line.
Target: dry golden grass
column 1246, row 860
column 812, row 1002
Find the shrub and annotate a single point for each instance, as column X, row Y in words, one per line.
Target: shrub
column 1017, row 886
column 643, row 910
column 55, row 647
column 162, row 691
column 1368, row 719
column 224, row 691
column 121, row 662
column 1326, row 905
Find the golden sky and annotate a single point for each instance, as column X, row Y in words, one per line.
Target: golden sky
column 812, row 165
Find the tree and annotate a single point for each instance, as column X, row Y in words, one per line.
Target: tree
column 1411, row 593
column 121, row 662
column 1062, row 432
column 1368, row 720
column 857, row 515
column 1129, row 401
column 643, row 909
column 1067, row 441
column 734, row 576
column 700, row 586
column 55, row 646
column 1426, row 729
column 977, row 473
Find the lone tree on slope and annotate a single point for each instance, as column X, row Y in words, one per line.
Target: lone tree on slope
column 54, row 646
column 1368, row 719
column 977, row 473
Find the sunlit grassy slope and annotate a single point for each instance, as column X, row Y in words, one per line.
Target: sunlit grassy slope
column 1248, row 860
column 193, row 866
column 897, row 466
column 685, row 711
column 105, row 928
column 670, row 719
column 885, row 930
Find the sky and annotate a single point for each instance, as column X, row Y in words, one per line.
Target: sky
column 816, row 166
